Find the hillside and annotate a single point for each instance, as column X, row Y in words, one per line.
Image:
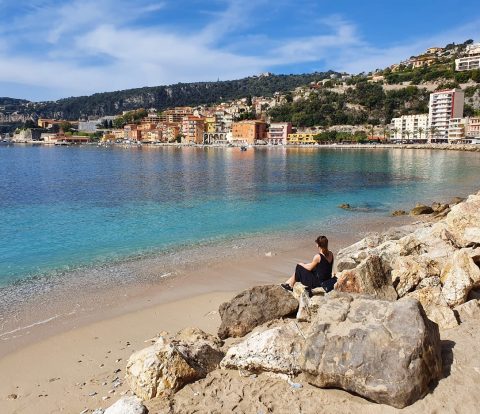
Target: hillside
column 161, row 97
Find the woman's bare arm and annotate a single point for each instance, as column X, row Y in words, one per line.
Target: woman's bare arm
column 313, row 264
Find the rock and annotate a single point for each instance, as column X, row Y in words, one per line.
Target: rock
column 468, row 310
column 460, row 274
column 385, row 351
column 254, row 307
column 409, row 271
column 399, row 213
column 421, row 209
column 369, row 277
column 443, row 316
column 127, row 405
column 301, row 293
column 202, row 350
column 429, row 282
column 457, row 200
column 474, row 294
column 97, row 411
column 345, row 206
column 158, row 369
column 464, row 222
column 12, row 397
column 273, row 350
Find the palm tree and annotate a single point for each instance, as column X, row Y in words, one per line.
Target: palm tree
column 385, row 132
column 395, row 131
column 433, row 132
column 421, row 130
column 408, row 133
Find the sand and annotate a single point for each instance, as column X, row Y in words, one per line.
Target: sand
column 79, row 364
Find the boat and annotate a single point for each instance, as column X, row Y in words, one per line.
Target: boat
column 243, row 148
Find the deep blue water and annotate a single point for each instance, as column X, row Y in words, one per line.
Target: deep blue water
column 63, row 207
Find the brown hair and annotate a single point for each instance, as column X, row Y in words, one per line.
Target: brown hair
column 322, row 242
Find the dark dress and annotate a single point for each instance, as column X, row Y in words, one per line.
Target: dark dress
column 321, row 276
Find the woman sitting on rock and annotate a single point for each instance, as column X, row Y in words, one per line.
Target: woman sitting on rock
column 316, row 274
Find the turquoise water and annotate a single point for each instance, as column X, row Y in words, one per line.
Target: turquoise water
column 65, row 207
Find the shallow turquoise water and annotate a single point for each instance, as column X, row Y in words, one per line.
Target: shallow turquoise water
column 63, row 207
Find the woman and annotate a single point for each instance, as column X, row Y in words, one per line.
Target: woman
column 316, row 274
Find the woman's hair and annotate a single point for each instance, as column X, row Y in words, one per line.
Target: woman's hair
column 322, row 242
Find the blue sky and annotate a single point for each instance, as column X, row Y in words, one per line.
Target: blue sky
column 52, row 49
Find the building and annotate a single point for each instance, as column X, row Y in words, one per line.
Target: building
column 421, row 61
column 456, row 129
column 247, row 132
column 471, row 60
column 170, row 131
column 433, row 50
column 132, row 132
column 151, row 136
column 193, row 128
column 91, row 125
column 409, row 128
column 444, row 105
column 301, row 138
column 473, row 128
column 278, row 133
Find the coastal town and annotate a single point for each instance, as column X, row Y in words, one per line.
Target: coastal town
column 248, row 121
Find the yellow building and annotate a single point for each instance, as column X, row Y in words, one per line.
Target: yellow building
column 210, row 124
column 301, row 138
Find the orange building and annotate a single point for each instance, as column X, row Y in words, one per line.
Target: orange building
column 247, row 132
column 193, row 128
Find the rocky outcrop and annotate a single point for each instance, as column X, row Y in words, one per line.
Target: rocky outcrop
column 385, row 351
column 274, row 350
column 460, row 275
column 464, row 222
column 369, row 277
column 127, row 405
column 254, row 307
column 468, row 310
column 421, row 209
column 169, row 364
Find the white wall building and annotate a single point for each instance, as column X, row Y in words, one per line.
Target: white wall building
column 456, row 129
column 471, row 60
column 444, row 105
column 409, row 128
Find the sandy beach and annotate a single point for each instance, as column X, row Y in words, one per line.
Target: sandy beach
column 70, row 364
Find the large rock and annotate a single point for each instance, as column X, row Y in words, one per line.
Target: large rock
column 435, row 306
column 464, row 221
column 421, row 209
column 409, row 271
column 386, row 351
column 254, row 307
column 169, row 364
column 274, row 350
column 127, row 405
column 460, row 274
column 468, row 310
column 369, row 277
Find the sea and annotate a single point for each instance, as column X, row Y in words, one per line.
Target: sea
column 69, row 211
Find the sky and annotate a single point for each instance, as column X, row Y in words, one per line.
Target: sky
column 52, row 49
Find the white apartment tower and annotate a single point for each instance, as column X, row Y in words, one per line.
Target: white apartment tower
column 444, row 105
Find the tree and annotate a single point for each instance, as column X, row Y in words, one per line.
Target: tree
column 66, row 126
column 433, row 132
column 249, row 100
column 408, row 133
column 29, row 124
column 395, row 131
column 421, row 130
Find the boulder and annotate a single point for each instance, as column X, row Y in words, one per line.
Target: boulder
column 127, row 405
column 409, row 271
column 443, row 316
column 420, row 209
column 457, row 200
column 158, row 370
column 345, row 206
column 464, row 222
column 468, row 310
column 169, row 364
column 385, row 351
column 460, row 274
column 254, row 307
column 201, row 350
column 273, row 350
column 369, row 277
column 397, row 213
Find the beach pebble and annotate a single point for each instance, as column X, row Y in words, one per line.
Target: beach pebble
column 105, row 398
column 84, row 411
column 101, row 365
column 269, row 254
column 53, row 379
column 111, row 392
column 92, row 394
column 12, row 397
column 118, row 360
column 117, row 371
column 104, row 383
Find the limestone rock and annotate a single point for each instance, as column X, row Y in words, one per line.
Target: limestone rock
column 464, row 221
column 273, row 350
column 460, row 275
column 443, row 316
column 399, row 213
column 409, row 271
column 421, row 209
column 254, row 307
column 369, row 277
column 468, row 310
column 201, row 350
column 385, row 351
column 127, row 405
column 345, row 206
column 158, row 369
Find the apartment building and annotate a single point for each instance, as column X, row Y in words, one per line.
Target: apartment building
column 193, row 128
column 278, row 133
column 247, row 132
column 471, row 60
column 301, row 138
column 456, row 129
column 473, row 128
column 409, row 128
column 444, row 105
